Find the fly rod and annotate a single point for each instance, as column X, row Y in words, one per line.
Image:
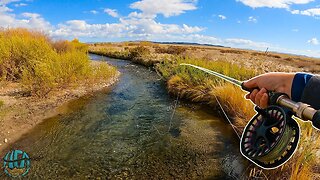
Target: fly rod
column 301, row 110
column 271, row 137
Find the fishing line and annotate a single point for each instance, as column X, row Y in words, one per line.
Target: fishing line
column 225, row 114
column 171, row 118
column 174, row 110
column 161, row 77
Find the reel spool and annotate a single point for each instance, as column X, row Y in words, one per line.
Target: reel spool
column 270, row 138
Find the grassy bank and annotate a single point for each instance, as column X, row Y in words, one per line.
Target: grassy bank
column 196, row 86
column 42, row 65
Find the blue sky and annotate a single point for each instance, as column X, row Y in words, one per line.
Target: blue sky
column 290, row 26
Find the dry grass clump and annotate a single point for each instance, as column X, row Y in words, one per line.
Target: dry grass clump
column 232, row 51
column 175, row 50
column 266, row 54
column 139, row 54
column 111, row 52
column 145, row 43
column 64, row 46
column 233, row 97
column 40, row 64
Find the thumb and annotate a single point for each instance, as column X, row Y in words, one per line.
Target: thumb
column 251, row 83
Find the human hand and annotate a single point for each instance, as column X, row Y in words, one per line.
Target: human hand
column 276, row 82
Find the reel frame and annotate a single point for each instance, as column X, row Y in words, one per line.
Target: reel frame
column 270, row 138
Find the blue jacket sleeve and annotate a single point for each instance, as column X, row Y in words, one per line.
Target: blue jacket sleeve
column 311, row 93
column 306, row 89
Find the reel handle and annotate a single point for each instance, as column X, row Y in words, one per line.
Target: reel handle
column 301, row 110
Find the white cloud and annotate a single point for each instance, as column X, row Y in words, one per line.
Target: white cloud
column 273, row 3
column 27, row 20
column 20, row 4
column 80, row 28
column 140, row 15
column 295, row 12
column 165, row 7
column 94, row 12
column 252, row 19
column 131, row 27
column 5, row 2
column 308, row 12
column 313, row 41
column 237, row 42
column 111, row 12
column 222, row 17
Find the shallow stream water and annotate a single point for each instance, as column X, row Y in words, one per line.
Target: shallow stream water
column 133, row 130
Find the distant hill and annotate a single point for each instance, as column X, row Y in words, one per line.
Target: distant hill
column 189, row 43
column 178, row 43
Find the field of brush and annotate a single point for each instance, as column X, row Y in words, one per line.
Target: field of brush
column 241, row 64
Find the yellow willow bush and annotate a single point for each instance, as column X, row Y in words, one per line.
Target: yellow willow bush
column 41, row 64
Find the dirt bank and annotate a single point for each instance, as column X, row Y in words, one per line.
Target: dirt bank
column 19, row 114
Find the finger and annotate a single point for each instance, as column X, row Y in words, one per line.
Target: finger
column 253, row 95
column 259, row 96
column 252, row 83
column 264, row 101
column 247, row 96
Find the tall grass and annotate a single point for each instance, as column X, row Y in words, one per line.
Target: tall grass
column 41, row 64
column 195, row 85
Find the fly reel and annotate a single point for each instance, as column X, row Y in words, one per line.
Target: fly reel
column 270, row 138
